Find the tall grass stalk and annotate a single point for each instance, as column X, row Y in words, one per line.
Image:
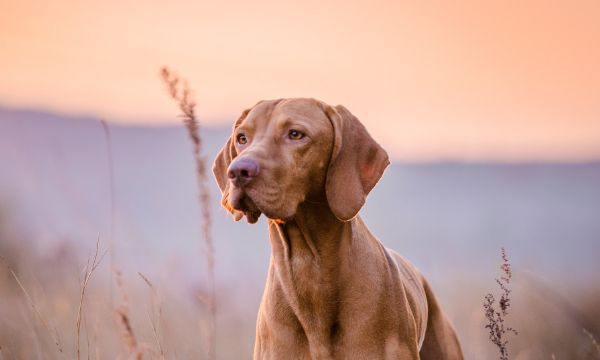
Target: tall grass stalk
column 88, row 270
column 155, row 324
column 58, row 344
column 47, row 308
column 129, row 340
column 180, row 92
column 496, row 318
column 113, row 205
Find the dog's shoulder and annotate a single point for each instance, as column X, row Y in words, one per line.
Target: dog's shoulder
column 413, row 283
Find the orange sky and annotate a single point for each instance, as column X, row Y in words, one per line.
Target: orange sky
column 467, row 80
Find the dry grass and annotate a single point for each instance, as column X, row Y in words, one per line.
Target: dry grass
column 155, row 324
column 113, row 201
column 549, row 318
column 92, row 308
column 496, row 318
column 180, row 92
column 129, row 340
column 55, row 339
column 88, row 270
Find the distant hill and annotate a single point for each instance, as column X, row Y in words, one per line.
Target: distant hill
column 54, row 181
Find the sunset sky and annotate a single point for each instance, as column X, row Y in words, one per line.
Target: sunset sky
column 464, row 80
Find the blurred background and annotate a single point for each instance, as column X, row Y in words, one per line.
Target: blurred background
column 490, row 113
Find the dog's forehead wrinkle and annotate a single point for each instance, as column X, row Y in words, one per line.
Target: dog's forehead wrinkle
column 247, row 126
column 257, row 130
column 260, row 117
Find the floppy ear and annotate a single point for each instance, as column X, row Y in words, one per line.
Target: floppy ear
column 357, row 163
column 222, row 161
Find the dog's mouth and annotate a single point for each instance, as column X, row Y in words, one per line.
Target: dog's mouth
column 240, row 201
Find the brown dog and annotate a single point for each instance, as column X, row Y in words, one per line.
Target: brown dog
column 333, row 290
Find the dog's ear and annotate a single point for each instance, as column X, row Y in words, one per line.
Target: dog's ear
column 357, row 163
column 222, row 161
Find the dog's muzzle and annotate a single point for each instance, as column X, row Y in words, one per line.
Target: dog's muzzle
column 242, row 171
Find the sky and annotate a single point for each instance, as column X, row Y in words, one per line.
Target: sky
column 465, row 80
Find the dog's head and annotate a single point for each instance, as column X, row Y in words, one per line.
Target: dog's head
column 284, row 152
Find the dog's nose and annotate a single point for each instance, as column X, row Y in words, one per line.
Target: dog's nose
column 242, row 170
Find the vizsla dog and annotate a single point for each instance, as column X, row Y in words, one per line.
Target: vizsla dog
column 333, row 290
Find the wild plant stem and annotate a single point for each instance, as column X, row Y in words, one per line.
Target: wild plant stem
column 496, row 318
column 33, row 305
column 88, row 273
column 180, row 92
column 113, row 202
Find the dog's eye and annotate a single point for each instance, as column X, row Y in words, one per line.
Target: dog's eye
column 295, row 135
column 241, row 139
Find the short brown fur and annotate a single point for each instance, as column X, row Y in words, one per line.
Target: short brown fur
column 333, row 290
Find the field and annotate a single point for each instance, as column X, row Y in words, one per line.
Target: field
column 147, row 296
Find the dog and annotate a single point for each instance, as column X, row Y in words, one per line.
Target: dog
column 333, row 290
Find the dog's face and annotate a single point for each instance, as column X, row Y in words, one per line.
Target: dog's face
column 283, row 152
column 288, row 143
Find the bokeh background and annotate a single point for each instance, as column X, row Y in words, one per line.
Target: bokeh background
column 490, row 113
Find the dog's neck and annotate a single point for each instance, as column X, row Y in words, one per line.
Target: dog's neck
column 310, row 254
column 313, row 235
